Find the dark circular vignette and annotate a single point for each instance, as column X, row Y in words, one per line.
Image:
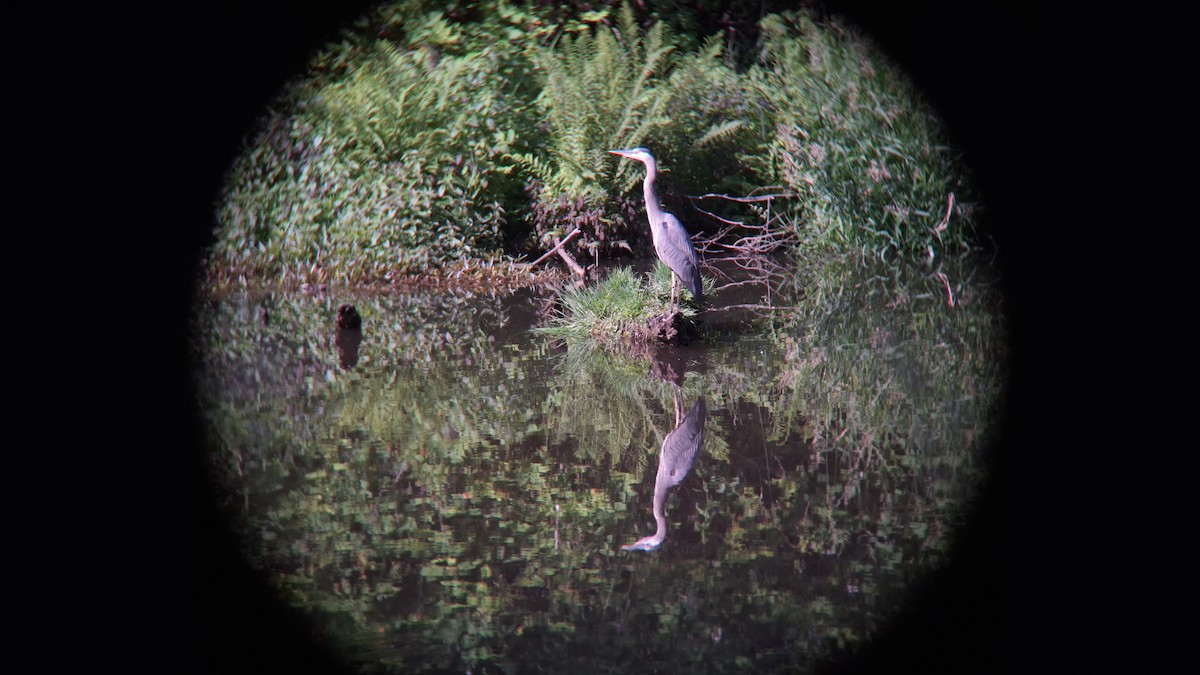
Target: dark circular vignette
column 994, row 72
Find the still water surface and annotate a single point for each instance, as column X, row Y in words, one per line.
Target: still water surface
column 445, row 490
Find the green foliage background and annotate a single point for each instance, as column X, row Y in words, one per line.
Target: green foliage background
column 433, row 134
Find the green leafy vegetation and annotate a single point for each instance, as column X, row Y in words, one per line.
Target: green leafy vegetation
column 867, row 159
column 436, row 135
column 391, row 168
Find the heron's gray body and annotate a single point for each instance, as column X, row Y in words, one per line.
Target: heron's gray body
column 674, row 248
column 671, row 241
column 674, row 461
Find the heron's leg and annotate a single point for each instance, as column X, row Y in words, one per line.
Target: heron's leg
column 674, row 284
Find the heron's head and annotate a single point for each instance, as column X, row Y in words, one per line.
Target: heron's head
column 640, row 154
column 646, row 543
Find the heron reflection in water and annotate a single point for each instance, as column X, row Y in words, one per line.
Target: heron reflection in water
column 674, row 461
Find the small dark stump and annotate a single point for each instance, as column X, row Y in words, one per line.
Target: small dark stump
column 672, row 329
column 348, row 335
column 347, row 317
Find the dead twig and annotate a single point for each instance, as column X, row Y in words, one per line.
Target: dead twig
column 949, row 293
column 570, row 260
column 562, row 253
column 945, row 222
column 747, row 200
column 735, row 284
column 714, row 216
column 723, row 308
column 558, row 245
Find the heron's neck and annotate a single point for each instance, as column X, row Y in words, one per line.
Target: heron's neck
column 653, row 210
column 660, row 502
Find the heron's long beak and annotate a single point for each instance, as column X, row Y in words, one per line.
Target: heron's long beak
column 623, row 153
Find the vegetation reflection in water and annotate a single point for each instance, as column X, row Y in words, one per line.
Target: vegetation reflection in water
column 459, row 498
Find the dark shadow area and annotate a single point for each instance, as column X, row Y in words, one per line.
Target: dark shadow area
column 237, row 621
column 1016, row 84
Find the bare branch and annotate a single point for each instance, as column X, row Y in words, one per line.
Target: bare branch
column 714, row 216
column 557, row 246
column 770, row 308
column 949, row 293
column 569, row 259
column 735, row 284
column 941, row 227
column 746, row 200
column 748, row 247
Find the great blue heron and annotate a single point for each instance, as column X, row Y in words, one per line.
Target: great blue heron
column 671, row 241
column 674, row 461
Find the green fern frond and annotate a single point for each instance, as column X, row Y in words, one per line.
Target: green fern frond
column 719, row 132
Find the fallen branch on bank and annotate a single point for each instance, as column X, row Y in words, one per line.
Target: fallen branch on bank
column 722, row 308
column 558, row 244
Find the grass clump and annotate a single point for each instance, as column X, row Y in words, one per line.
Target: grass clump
column 618, row 307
